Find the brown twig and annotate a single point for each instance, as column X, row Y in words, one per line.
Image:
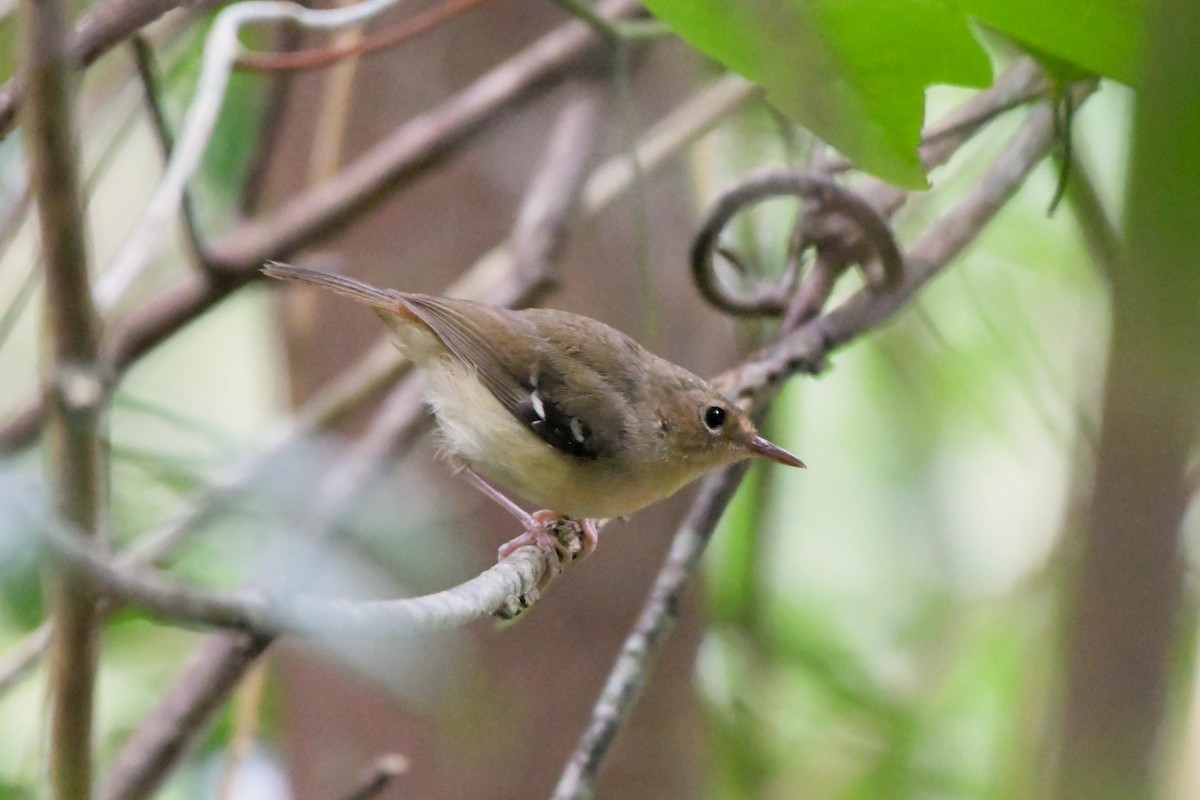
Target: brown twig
column 269, row 614
column 825, row 197
column 147, row 70
column 645, row 639
column 73, row 391
column 805, row 349
column 410, row 28
column 157, row 745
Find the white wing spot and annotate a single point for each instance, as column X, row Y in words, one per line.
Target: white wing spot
column 577, row 430
column 538, row 408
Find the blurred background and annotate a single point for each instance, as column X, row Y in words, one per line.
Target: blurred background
column 889, row 623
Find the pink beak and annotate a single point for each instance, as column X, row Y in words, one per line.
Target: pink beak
column 761, row 447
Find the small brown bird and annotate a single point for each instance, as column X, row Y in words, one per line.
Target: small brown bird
column 559, row 409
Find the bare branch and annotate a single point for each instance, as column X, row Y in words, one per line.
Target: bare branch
column 74, row 392
column 147, row 70
column 825, row 197
column 162, row 740
column 498, row 588
column 628, row 675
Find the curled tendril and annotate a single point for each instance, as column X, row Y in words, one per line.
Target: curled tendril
column 841, row 227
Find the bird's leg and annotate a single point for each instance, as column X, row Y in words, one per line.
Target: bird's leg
column 500, row 497
column 539, row 528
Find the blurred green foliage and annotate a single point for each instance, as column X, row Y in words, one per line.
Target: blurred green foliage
column 855, row 73
column 884, row 623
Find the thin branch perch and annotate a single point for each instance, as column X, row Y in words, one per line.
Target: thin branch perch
column 497, row 589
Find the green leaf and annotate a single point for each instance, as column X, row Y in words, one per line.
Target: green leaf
column 854, row 72
column 1103, row 37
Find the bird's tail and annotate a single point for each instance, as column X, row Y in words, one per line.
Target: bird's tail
column 356, row 290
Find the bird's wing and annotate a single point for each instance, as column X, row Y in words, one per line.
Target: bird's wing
column 475, row 333
column 511, row 360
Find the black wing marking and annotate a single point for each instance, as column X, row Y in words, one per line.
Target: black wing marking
column 560, row 430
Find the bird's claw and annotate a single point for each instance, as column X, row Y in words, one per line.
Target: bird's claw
column 561, row 538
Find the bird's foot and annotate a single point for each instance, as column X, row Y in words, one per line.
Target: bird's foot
column 561, row 538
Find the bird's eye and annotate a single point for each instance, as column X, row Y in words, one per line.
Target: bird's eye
column 714, row 417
